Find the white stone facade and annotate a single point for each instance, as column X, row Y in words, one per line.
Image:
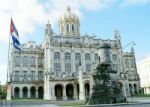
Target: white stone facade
column 59, row 68
column 143, row 67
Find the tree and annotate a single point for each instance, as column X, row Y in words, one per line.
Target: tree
column 105, row 89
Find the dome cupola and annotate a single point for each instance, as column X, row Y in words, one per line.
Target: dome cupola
column 69, row 24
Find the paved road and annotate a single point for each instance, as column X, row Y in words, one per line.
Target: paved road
column 141, row 105
column 54, row 104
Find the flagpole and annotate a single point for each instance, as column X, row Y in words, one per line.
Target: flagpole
column 8, row 71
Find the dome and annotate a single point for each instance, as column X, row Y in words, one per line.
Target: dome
column 69, row 15
column 69, row 24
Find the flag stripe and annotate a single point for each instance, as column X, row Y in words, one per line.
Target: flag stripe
column 15, row 35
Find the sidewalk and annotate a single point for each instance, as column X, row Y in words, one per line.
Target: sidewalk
column 131, row 101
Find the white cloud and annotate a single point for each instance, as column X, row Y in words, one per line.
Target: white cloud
column 3, row 73
column 134, row 2
column 28, row 14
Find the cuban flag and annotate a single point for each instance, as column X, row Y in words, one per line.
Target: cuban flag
column 15, row 35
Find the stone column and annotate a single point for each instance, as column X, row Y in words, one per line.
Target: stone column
column 124, row 89
column 29, row 96
column 46, row 88
column 21, row 93
column 36, row 94
column 73, row 61
column 64, row 92
column 75, row 91
column 81, row 87
column 9, row 89
column 53, row 93
column 62, row 62
column 82, row 61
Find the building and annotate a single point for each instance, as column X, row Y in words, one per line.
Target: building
column 143, row 67
column 51, row 70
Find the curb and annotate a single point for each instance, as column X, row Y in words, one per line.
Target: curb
column 119, row 104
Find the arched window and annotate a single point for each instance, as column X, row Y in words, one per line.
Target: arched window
column 67, row 26
column 87, row 62
column 25, row 60
column 77, row 57
column 96, row 57
column 25, row 76
column 87, row 56
column 32, row 60
column 114, row 57
column 32, row 75
column 72, row 28
column 56, row 56
column 40, row 75
column 67, row 56
column 16, row 75
column 40, row 60
column 17, row 60
column 77, row 61
column 67, row 59
column 57, row 66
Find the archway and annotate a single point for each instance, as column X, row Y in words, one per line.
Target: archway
column 58, row 92
column 130, row 88
column 120, row 86
column 25, row 92
column 135, row 88
column 69, row 91
column 16, row 92
column 33, row 92
column 40, row 92
column 87, row 89
column 78, row 90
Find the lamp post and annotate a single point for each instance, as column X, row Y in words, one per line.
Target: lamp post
column 130, row 43
column 126, row 74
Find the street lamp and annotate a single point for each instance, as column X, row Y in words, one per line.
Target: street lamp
column 125, row 74
column 130, row 43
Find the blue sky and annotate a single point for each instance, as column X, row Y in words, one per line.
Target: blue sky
column 99, row 17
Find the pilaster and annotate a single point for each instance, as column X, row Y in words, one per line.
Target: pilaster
column 75, row 91
column 64, row 93
column 81, row 87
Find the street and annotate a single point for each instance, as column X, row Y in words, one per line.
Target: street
column 135, row 102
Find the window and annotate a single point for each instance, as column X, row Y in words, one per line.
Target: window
column 77, row 57
column 87, row 62
column 57, row 57
column 32, row 75
column 57, row 66
column 114, row 57
column 88, row 67
column 25, row 60
column 72, row 28
column 67, row 56
column 25, row 76
column 87, row 57
column 115, row 66
column 17, row 60
column 77, row 61
column 40, row 60
column 68, row 69
column 40, row 75
column 132, row 63
column 57, row 69
column 16, row 75
column 96, row 57
column 127, row 63
column 32, row 60
column 67, row 26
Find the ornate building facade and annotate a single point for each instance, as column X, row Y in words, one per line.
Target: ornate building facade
column 59, row 68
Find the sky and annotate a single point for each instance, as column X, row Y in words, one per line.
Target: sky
column 98, row 17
